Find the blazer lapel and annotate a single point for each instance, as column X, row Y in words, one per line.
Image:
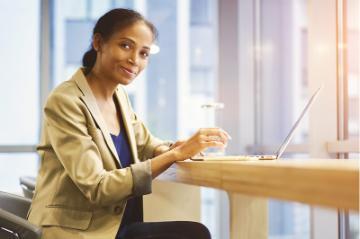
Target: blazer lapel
column 90, row 101
column 124, row 109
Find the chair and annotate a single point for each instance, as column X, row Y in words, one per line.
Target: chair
column 27, row 184
column 13, row 223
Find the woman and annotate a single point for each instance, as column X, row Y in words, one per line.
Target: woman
column 98, row 158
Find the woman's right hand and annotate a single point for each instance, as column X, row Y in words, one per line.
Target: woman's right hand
column 201, row 140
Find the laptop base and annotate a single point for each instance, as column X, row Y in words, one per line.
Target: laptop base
column 234, row 158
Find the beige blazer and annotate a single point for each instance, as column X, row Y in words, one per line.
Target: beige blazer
column 81, row 189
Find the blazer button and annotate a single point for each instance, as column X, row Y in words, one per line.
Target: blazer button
column 117, row 210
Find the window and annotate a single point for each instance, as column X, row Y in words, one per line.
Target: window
column 19, row 107
column 352, row 82
column 273, row 92
column 282, row 93
column 14, row 166
column 20, row 77
column 353, row 70
column 270, row 81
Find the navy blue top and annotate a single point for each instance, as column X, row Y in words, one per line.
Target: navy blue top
column 122, row 148
column 134, row 207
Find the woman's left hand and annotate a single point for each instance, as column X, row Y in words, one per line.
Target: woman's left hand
column 176, row 144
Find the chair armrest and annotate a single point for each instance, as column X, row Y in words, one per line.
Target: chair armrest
column 29, row 182
column 18, row 226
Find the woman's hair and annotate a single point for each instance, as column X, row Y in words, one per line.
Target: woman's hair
column 111, row 22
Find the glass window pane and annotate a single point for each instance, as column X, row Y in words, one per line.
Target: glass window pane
column 203, row 50
column 19, row 58
column 68, row 9
column 283, row 70
column 98, row 7
column 353, row 78
column 288, row 220
column 162, row 72
column 72, row 27
column 14, row 166
column 125, row 4
column 283, row 95
column 200, row 11
column 354, row 225
column 353, row 64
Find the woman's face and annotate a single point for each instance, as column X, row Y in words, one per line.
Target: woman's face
column 125, row 54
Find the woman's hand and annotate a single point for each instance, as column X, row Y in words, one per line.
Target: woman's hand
column 201, row 140
column 163, row 148
column 184, row 149
column 176, row 144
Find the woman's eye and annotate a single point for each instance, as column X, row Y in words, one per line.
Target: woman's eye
column 125, row 45
column 145, row 54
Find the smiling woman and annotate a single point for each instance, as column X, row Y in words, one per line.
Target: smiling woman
column 98, row 158
column 126, row 51
column 124, row 55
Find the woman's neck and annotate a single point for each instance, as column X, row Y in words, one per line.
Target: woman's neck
column 102, row 88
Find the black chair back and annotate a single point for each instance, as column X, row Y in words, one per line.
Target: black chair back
column 15, row 204
column 13, row 223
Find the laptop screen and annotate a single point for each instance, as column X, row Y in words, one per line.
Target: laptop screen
column 291, row 133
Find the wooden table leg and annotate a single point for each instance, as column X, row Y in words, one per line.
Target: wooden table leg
column 248, row 217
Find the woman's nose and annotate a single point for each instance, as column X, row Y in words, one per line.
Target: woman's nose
column 133, row 59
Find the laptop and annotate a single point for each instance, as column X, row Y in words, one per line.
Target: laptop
column 276, row 155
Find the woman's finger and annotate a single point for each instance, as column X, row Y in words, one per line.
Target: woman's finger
column 216, row 137
column 216, row 144
column 215, row 131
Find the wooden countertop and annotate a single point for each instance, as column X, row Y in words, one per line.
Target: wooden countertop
column 326, row 182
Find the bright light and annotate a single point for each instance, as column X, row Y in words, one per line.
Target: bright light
column 154, row 49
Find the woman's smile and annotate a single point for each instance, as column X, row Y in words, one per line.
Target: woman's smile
column 128, row 72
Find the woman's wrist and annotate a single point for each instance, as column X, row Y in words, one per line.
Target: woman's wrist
column 161, row 162
column 176, row 155
column 160, row 150
column 170, row 150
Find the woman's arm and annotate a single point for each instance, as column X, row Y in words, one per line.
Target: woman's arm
column 204, row 138
column 161, row 149
column 166, row 147
column 162, row 162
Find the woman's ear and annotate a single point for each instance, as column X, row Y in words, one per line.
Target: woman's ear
column 97, row 42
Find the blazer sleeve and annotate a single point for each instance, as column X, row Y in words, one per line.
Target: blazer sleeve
column 145, row 141
column 65, row 118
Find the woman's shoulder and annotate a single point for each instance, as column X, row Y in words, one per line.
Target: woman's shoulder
column 69, row 87
column 65, row 91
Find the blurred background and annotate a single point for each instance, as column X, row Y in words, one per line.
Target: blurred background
column 255, row 56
